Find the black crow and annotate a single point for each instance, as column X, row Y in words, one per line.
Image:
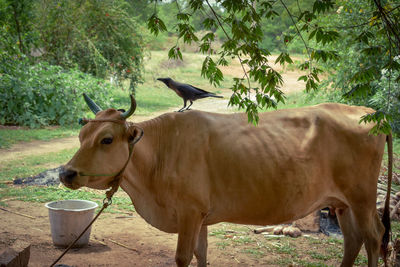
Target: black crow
column 187, row 92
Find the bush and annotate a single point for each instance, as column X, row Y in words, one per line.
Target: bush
column 389, row 95
column 43, row 94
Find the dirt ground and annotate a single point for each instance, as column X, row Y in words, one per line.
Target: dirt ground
column 144, row 245
column 116, row 240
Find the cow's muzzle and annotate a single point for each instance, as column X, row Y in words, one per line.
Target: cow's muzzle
column 67, row 176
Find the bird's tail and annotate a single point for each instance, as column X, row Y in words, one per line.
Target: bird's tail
column 217, row 96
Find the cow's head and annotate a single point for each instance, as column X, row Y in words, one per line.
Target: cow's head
column 104, row 149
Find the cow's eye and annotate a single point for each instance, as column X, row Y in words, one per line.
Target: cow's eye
column 107, row 141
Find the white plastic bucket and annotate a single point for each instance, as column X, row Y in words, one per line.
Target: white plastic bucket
column 68, row 218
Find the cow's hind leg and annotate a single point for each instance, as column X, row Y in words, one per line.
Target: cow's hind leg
column 189, row 225
column 201, row 247
column 352, row 237
column 360, row 225
column 372, row 231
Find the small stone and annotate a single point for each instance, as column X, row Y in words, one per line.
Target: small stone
column 291, row 231
column 278, row 230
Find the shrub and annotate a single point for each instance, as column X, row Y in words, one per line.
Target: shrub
column 43, row 94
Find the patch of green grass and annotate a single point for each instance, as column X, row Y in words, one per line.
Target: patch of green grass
column 44, row 194
column 33, row 165
column 8, row 137
column 220, row 233
column 243, row 240
column 222, row 244
column 361, row 260
column 318, row 256
column 334, row 252
column 335, row 241
column 314, row 241
column 305, row 263
column 284, row 261
column 154, row 98
column 122, row 203
column 254, row 251
column 286, row 248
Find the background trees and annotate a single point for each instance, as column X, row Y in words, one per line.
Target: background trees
column 87, row 40
column 356, row 43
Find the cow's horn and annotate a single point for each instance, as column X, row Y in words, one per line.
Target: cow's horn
column 128, row 113
column 93, row 106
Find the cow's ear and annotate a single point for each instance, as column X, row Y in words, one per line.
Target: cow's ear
column 135, row 134
column 121, row 109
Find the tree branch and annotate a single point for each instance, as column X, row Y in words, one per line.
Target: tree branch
column 227, row 36
column 299, row 33
column 389, row 24
column 21, row 46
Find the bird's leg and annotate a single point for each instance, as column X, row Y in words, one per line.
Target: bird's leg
column 184, row 105
column 191, row 103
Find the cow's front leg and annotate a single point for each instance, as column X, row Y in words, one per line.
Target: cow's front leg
column 201, row 247
column 189, row 225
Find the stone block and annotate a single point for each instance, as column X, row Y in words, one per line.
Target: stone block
column 16, row 255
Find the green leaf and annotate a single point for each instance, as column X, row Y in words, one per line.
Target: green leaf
column 209, row 23
column 372, row 50
column 175, row 53
column 156, row 25
column 211, row 71
column 322, row 6
column 365, row 75
column 183, row 16
column 284, row 58
column 382, row 122
column 359, row 90
column 364, row 37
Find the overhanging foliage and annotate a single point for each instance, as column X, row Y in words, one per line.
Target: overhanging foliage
column 259, row 87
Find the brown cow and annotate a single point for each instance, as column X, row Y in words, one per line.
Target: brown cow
column 194, row 169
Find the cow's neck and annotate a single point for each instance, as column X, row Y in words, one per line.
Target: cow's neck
column 142, row 176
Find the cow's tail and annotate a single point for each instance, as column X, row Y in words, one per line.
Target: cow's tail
column 386, row 211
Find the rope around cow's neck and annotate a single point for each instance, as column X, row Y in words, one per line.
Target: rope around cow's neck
column 115, row 183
